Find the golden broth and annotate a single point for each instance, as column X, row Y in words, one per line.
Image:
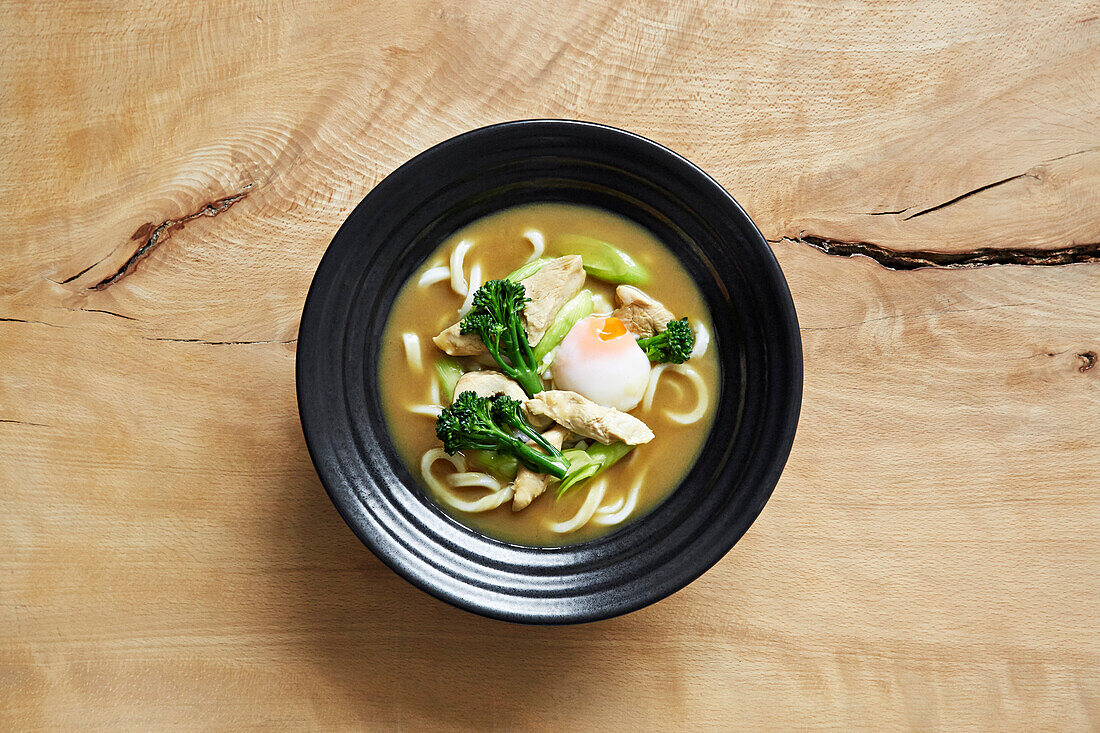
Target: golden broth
column 499, row 246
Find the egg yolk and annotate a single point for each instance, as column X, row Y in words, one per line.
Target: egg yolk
column 612, row 328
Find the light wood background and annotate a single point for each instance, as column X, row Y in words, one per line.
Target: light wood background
column 931, row 557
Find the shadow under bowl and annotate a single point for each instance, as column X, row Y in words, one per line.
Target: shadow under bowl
column 390, row 234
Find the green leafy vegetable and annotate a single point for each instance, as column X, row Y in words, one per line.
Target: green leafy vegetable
column 585, row 464
column 496, row 315
column 526, row 270
column 483, row 423
column 674, row 344
column 503, row 465
column 578, row 307
column 603, row 260
column 447, row 373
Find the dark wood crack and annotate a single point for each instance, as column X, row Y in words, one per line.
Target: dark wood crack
column 24, row 320
column 218, row 343
column 110, row 313
column 154, row 235
column 24, row 422
column 74, row 277
column 967, row 195
column 893, row 259
column 1075, row 152
column 970, row 193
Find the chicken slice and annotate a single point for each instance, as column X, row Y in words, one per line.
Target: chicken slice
column 488, row 383
column 584, row 417
column 642, row 315
column 455, row 343
column 530, row 485
column 548, row 289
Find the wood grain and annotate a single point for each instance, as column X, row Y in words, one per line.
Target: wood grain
column 930, row 557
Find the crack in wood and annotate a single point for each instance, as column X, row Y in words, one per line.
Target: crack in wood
column 24, row 422
column 101, row 310
column 1048, row 354
column 1075, row 152
column 893, row 259
column 218, row 343
column 979, row 189
column 74, row 277
column 155, row 235
column 968, row 194
column 24, row 320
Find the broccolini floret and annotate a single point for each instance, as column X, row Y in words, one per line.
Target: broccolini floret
column 485, row 423
column 674, row 344
column 496, row 315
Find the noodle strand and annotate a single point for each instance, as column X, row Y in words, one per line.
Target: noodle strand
column 446, row 496
column 654, row 377
column 434, row 275
column 582, row 517
column 412, row 351
column 467, row 479
column 612, row 507
column 702, row 399
column 458, row 277
column 538, row 243
column 475, row 283
column 702, row 340
column 608, row 516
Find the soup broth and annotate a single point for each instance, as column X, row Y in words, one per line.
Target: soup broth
column 681, row 401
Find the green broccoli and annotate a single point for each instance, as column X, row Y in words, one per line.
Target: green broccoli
column 496, row 315
column 674, row 344
column 484, row 423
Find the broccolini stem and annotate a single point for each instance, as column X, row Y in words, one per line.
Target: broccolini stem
column 529, row 380
column 542, row 463
column 497, row 317
column 523, row 360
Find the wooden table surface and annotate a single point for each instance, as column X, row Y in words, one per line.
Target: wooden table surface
column 172, row 173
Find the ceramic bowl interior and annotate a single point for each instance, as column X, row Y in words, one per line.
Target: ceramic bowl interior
column 399, row 224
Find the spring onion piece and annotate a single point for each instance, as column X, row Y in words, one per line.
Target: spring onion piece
column 545, row 362
column 500, row 464
column 526, row 270
column 447, row 372
column 576, row 308
column 603, row 260
column 584, row 464
column 581, row 468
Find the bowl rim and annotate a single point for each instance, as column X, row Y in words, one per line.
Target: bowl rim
column 787, row 419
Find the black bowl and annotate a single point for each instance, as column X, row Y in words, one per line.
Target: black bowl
column 394, row 230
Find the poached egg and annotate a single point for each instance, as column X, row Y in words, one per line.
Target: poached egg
column 601, row 360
